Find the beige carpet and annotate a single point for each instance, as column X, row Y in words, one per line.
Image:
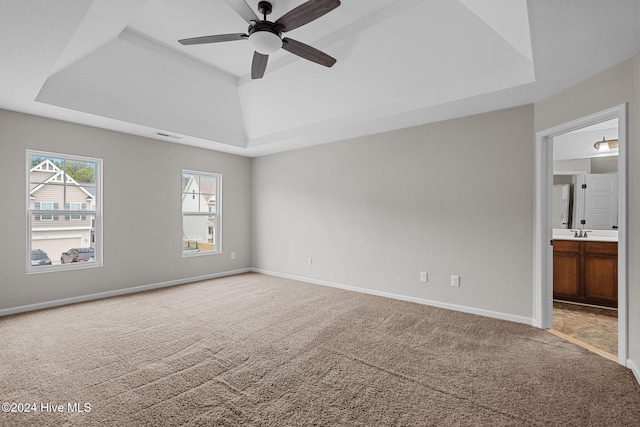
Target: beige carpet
column 261, row 351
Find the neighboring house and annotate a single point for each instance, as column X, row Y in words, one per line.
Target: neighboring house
column 199, row 196
column 53, row 232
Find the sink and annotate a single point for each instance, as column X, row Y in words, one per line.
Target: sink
column 594, row 235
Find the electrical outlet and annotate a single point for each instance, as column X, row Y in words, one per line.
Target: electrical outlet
column 309, row 261
column 233, row 255
column 455, row 280
column 423, row 276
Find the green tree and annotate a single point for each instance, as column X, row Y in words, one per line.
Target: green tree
column 81, row 172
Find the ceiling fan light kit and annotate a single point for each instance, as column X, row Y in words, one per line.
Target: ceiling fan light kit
column 266, row 36
column 265, row 42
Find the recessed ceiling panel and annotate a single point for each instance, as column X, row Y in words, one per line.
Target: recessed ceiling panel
column 432, row 54
column 126, row 82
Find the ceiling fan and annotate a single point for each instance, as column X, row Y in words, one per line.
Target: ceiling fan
column 266, row 36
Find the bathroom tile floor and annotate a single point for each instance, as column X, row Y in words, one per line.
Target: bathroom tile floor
column 594, row 326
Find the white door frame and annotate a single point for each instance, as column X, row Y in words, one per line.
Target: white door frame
column 543, row 255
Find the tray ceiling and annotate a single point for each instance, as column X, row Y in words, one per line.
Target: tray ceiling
column 116, row 64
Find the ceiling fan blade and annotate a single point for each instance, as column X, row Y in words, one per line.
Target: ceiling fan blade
column 214, row 39
column 305, row 13
column 307, row 52
column 244, row 10
column 259, row 65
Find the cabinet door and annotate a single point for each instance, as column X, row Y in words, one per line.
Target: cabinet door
column 566, row 274
column 601, row 273
column 566, row 269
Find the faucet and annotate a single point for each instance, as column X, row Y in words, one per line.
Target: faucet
column 580, row 233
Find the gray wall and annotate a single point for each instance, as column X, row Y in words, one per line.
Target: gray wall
column 609, row 88
column 604, row 164
column 454, row 197
column 142, row 212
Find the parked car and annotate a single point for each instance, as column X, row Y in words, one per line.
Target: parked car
column 78, row 255
column 39, row 257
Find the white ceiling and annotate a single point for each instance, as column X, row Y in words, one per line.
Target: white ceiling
column 116, row 64
column 579, row 144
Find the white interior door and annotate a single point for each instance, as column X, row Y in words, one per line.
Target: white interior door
column 601, row 201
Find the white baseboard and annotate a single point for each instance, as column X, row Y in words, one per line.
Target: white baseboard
column 634, row 368
column 455, row 307
column 117, row 292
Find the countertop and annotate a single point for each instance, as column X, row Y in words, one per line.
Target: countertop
column 593, row 235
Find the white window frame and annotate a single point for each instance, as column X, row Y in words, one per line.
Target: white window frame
column 206, row 214
column 94, row 211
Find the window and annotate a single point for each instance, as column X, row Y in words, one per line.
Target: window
column 76, row 207
column 201, row 213
column 46, row 206
column 63, row 207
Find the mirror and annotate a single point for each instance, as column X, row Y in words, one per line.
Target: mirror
column 585, row 178
column 588, row 201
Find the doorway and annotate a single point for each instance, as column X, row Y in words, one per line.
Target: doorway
column 544, row 237
column 585, row 234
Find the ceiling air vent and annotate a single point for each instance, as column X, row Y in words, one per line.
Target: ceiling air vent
column 167, row 135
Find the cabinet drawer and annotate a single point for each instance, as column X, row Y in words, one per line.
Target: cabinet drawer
column 566, row 246
column 602, row 248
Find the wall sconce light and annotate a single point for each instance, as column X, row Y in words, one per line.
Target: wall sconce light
column 606, row 145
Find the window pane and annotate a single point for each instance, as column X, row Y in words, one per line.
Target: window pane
column 199, row 234
column 190, row 193
column 50, row 240
column 187, row 179
column 200, row 208
column 88, row 195
column 208, row 184
column 80, row 171
column 62, row 198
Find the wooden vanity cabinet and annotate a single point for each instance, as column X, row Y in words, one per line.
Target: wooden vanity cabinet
column 586, row 272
